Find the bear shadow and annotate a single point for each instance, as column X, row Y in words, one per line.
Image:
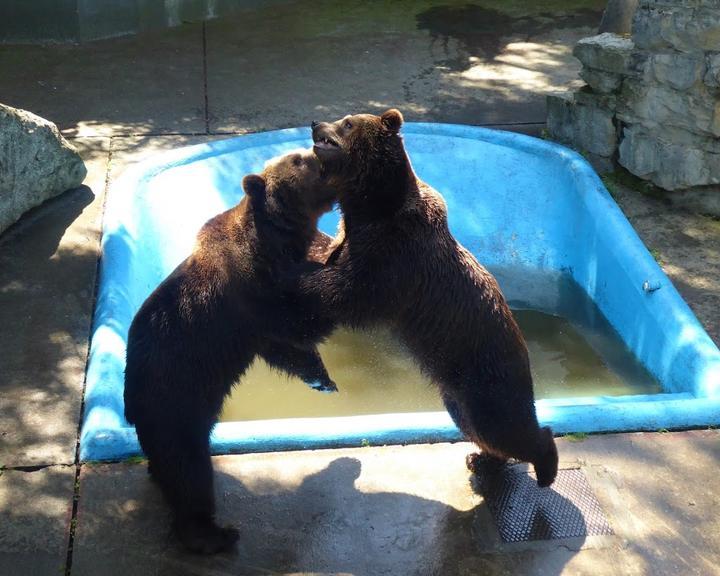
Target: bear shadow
column 327, row 526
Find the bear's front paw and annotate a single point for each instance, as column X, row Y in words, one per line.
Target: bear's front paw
column 327, row 386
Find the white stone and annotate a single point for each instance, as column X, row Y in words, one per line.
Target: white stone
column 608, row 52
column 36, row 163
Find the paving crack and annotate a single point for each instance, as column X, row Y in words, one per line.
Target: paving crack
column 77, row 463
column 205, row 76
column 33, row 467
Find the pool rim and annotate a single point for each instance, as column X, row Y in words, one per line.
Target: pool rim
column 100, row 441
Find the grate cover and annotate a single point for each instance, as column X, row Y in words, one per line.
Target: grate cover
column 523, row 512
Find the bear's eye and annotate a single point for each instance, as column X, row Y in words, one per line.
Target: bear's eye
column 297, row 161
column 347, row 124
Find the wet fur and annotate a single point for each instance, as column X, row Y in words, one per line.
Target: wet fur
column 397, row 264
column 203, row 326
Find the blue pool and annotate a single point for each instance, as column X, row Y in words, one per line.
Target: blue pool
column 516, row 202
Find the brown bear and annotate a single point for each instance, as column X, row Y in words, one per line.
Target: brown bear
column 203, row 326
column 396, row 263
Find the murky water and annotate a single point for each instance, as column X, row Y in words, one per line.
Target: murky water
column 573, row 352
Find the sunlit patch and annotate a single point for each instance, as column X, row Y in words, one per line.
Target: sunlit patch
column 525, row 66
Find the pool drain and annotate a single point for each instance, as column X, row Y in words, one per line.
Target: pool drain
column 523, row 512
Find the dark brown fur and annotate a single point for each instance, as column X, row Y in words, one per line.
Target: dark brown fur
column 399, row 265
column 199, row 331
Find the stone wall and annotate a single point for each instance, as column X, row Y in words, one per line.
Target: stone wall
column 652, row 101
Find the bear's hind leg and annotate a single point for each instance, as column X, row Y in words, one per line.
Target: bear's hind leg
column 476, row 461
column 305, row 364
column 506, row 428
column 179, row 461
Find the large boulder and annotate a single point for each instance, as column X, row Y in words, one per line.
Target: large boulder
column 607, row 52
column 36, row 163
column 693, row 160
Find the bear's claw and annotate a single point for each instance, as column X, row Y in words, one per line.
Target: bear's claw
column 327, row 387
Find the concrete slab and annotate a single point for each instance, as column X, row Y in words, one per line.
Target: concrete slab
column 146, row 83
column 35, row 510
column 130, row 150
column 367, row 511
column 661, row 492
column 279, row 66
column 411, row 510
column 48, row 263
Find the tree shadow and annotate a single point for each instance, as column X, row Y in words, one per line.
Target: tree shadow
column 46, row 286
column 481, row 31
column 276, row 65
column 35, row 510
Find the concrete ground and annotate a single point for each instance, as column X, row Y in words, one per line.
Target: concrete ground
column 365, row 511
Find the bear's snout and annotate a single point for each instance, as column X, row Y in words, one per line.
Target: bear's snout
column 314, row 123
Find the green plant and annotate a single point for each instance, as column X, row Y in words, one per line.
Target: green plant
column 576, row 436
column 134, row 460
column 656, row 254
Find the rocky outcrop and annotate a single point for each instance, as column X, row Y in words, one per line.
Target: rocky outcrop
column 657, row 92
column 36, row 163
column 618, row 16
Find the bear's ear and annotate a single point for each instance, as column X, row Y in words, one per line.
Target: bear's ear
column 392, row 120
column 254, row 186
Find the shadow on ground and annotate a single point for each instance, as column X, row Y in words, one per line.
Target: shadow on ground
column 44, row 281
column 277, row 65
column 335, row 520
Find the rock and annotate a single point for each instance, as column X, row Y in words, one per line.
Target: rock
column 36, row 163
column 662, row 87
column 587, row 97
column 587, row 128
column 560, row 117
column 655, row 106
column 602, row 82
column 712, row 76
column 607, row 52
column 618, row 16
column 648, row 156
column 685, row 26
column 678, row 70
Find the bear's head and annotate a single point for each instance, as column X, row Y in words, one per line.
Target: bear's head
column 360, row 144
column 291, row 189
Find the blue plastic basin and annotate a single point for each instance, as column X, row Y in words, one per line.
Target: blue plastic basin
column 514, row 201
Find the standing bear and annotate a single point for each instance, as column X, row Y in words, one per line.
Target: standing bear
column 203, row 326
column 396, row 263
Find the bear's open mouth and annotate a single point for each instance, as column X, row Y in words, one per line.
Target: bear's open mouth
column 326, row 143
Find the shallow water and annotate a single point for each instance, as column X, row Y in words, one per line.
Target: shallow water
column 573, row 352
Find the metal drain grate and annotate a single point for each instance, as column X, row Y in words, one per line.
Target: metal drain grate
column 525, row 512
